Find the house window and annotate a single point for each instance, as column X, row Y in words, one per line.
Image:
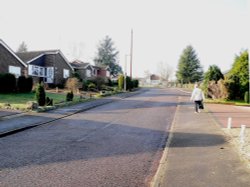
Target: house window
column 49, row 73
column 88, row 73
column 36, row 71
column 65, row 73
column 15, row 70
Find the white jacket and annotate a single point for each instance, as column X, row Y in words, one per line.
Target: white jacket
column 197, row 95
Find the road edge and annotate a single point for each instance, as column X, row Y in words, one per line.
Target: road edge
column 157, row 178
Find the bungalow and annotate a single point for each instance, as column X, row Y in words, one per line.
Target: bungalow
column 153, row 79
column 49, row 66
column 102, row 71
column 10, row 62
column 88, row 71
column 85, row 70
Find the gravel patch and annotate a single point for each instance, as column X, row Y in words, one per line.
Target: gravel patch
column 242, row 147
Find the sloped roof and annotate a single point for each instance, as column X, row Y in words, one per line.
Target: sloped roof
column 79, row 64
column 29, row 56
column 12, row 52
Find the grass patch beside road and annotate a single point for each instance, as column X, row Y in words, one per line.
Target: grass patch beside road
column 19, row 100
column 227, row 102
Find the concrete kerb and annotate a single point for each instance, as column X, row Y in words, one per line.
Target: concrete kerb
column 157, row 179
column 13, row 131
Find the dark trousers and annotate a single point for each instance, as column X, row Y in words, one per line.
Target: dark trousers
column 197, row 105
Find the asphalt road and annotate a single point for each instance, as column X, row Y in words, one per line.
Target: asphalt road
column 117, row 144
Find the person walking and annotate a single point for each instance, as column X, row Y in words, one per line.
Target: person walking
column 198, row 97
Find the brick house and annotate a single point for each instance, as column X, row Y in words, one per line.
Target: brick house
column 10, row 62
column 88, row 71
column 85, row 70
column 49, row 66
column 102, row 71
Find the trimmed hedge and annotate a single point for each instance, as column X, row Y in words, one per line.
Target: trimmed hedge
column 24, row 84
column 7, row 83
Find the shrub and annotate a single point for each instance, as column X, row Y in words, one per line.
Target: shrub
column 92, row 87
column 69, row 96
column 246, row 97
column 24, row 84
column 40, row 95
column 99, row 81
column 21, row 81
column 135, row 83
column 49, row 102
column 29, row 84
column 73, row 84
column 85, row 84
column 121, row 82
column 129, row 83
column 8, row 83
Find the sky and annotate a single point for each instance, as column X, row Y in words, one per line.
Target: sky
column 217, row 29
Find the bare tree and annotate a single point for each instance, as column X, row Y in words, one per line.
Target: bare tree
column 165, row 71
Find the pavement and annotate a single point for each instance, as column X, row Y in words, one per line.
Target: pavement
column 16, row 121
column 198, row 153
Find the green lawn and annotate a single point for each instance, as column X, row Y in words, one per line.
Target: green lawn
column 19, row 100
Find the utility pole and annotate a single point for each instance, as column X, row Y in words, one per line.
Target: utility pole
column 131, row 54
column 125, row 74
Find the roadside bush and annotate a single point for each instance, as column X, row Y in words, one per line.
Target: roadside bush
column 135, row 83
column 110, row 83
column 85, row 84
column 73, row 84
column 21, row 81
column 24, row 84
column 29, row 84
column 121, row 82
column 99, row 81
column 40, row 95
column 91, row 87
column 69, row 96
column 217, row 90
column 246, row 97
column 7, row 82
column 129, row 83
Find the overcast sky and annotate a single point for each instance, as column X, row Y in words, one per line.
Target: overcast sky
column 217, row 29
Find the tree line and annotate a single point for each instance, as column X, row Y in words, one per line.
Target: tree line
column 231, row 85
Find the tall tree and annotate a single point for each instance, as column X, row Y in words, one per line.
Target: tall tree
column 108, row 55
column 238, row 76
column 213, row 74
column 189, row 67
column 22, row 48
